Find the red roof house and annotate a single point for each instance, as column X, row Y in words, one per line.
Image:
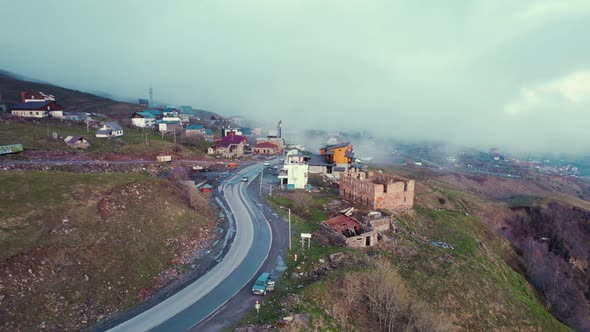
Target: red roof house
column 229, row 146
column 265, row 148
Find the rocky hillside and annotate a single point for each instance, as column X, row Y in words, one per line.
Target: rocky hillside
column 546, row 219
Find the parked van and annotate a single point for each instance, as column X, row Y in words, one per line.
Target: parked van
column 260, row 286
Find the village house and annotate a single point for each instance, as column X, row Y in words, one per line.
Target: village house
column 377, row 191
column 35, row 96
column 294, row 174
column 265, row 148
column 39, row 109
column 229, row 146
column 170, row 113
column 340, row 155
column 209, row 136
column 273, row 140
column 215, row 118
column 77, row 142
column 166, row 126
column 195, row 131
column 109, row 129
column 75, row 116
column 143, row 119
column 226, row 131
column 333, row 160
column 189, row 113
column 144, row 102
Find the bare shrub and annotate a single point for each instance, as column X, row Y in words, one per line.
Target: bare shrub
column 198, row 200
column 178, row 172
column 393, row 306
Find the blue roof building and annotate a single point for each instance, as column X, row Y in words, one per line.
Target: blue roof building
column 195, row 127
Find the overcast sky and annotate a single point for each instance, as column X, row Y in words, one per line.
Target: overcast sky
column 489, row 73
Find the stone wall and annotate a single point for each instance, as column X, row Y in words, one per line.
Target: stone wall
column 377, row 191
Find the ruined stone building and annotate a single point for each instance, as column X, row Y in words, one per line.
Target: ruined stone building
column 377, row 191
column 348, row 231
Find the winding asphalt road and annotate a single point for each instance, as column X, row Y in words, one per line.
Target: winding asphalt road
column 250, row 248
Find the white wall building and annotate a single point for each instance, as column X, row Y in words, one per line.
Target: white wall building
column 294, row 174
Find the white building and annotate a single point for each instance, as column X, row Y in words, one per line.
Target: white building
column 109, row 129
column 143, row 119
column 294, row 174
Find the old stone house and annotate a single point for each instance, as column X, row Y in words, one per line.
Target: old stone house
column 377, row 191
column 350, row 232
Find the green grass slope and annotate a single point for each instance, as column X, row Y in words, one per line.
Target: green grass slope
column 467, row 288
column 75, row 248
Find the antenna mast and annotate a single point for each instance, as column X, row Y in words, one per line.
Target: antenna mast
column 151, row 96
column 279, row 128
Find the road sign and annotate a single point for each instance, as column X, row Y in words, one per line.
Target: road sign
column 257, row 306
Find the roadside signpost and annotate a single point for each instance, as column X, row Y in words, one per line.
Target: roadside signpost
column 305, row 236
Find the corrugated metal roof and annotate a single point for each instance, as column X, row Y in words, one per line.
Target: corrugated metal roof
column 146, row 115
column 336, row 146
column 265, row 145
column 152, row 111
column 229, row 140
column 195, row 127
column 74, row 139
column 38, row 105
column 317, row 160
column 168, row 122
column 103, row 132
column 341, row 223
column 115, row 126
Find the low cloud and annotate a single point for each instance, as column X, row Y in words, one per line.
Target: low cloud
column 568, row 93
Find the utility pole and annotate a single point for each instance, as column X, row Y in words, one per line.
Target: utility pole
column 289, row 229
column 289, row 209
column 261, row 177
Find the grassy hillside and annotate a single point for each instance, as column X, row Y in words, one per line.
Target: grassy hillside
column 469, row 288
column 37, row 136
column 71, row 100
column 75, row 248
